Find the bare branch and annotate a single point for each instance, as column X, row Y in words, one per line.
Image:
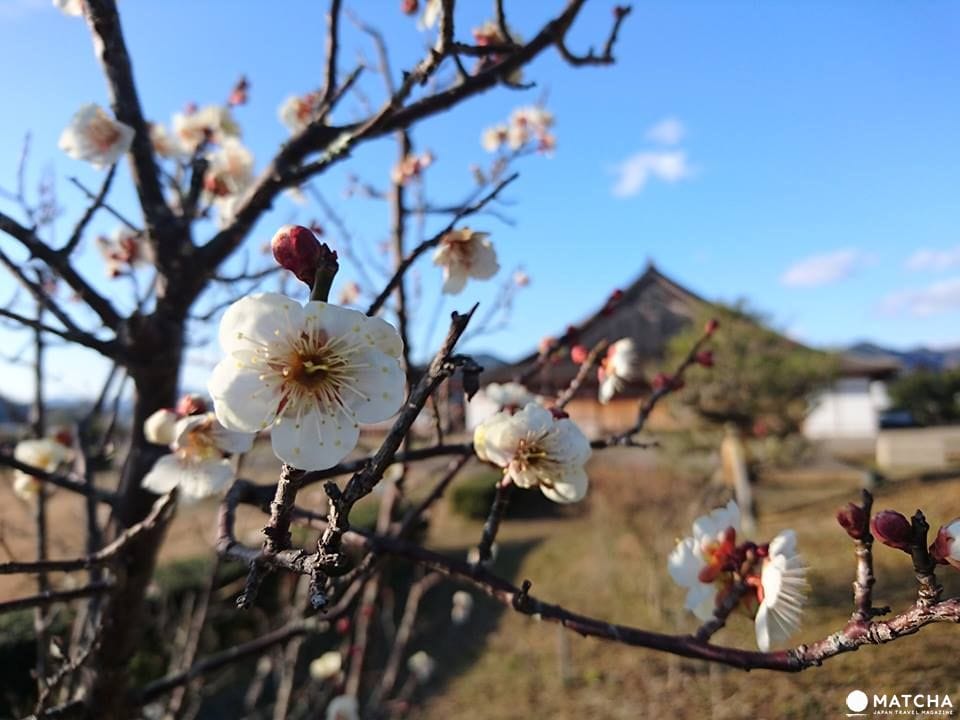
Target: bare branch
column 88, row 214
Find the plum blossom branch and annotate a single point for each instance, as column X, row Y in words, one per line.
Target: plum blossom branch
column 88, row 214
column 585, row 367
column 620, row 13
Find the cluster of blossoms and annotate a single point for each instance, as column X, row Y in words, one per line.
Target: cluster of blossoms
column 536, row 448
column 711, row 562
column 196, row 127
column 510, row 396
column 95, row 137
column 462, row 254
column 200, row 447
column 527, row 125
column 124, row 251
column 298, row 111
column 411, row 167
column 312, row 372
column 48, row 454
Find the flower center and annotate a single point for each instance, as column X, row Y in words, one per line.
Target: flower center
column 103, row 134
column 199, row 445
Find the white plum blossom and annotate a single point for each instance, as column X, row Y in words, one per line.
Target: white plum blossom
column 411, row 167
column 213, row 123
column 46, row 454
column 781, row 593
column 73, row 8
column 229, row 174
column 462, row 607
column 422, row 666
column 164, row 143
column 465, row 253
column 494, row 137
column 161, row 427
column 619, row 366
column 326, row 666
column 509, row 395
column 314, row 372
column 94, row 136
column 124, row 251
column 343, row 707
column 297, row 111
column 697, row 561
column 197, row 465
column 535, row 449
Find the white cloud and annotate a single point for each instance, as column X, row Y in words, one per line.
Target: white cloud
column 636, row 171
column 935, row 299
column 668, row 131
column 926, row 259
column 823, row 269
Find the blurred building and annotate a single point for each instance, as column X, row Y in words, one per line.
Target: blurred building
column 653, row 310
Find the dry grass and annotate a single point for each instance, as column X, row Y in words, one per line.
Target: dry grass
column 608, row 559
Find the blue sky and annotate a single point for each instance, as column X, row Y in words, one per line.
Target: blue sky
column 801, row 155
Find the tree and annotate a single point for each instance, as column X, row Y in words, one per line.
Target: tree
column 322, row 368
column 931, row 397
column 755, row 377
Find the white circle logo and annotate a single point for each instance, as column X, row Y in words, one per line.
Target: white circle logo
column 857, row 701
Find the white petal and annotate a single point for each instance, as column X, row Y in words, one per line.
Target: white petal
column 242, row 401
column 314, row 441
column 484, row 263
column 684, row 563
column 202, row 479
column 454, row 280
column 232, row 442
column 385, row 336
column 702, row 601
column 159, row 427
column 717, row 521
column 534, row 419
column 260, row 318
column 164, row 476
column 337, row 321
column 382, row 382
column 567, row 444
column 570, row 487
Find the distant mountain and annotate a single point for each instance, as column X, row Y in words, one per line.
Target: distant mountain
column 912, row 359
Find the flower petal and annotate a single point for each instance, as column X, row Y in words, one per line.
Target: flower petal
column 454, row 280
column 242, row 401
column 258, row 319
column 164, row 476
column 313, row 441
column 381, row 383
column 570, row 487
column 203, row 479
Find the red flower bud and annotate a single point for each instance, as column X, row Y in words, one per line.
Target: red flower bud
column 239, row 94
column 342, row 625
column 191, row 405
column 893, row 529
column 705, row 358
column 578, row 353
column 852, row 519
column 620, row 11
column 546, row 345
column 662, row 381
column 64, row 436
column 711, row 326
column 409, row 7
column 297, row 249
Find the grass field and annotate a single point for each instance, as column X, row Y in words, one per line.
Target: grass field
column 607, row 558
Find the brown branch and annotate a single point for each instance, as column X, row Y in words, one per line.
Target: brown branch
column 924, row 567
column 333, row 40
column 109, row 208
column 111, row 50
column 54, row 596
column 63, row 481
column 620, row 13
column 62, row 267
column 161, row 510
column 585, row 367
column 864, row 581
column 88, row 214
column 498, row 508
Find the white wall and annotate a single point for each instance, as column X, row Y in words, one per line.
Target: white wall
column 849, row 409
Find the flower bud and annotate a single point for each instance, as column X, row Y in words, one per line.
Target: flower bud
column 945, row 548
column 297, row 249
column 578, row 353
column 893, row 529
column 342, row 626
column 665, row 381
column 191, row 405
column 408, row 7
column 852, row 519
column 705, row 358
column 711, row 326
